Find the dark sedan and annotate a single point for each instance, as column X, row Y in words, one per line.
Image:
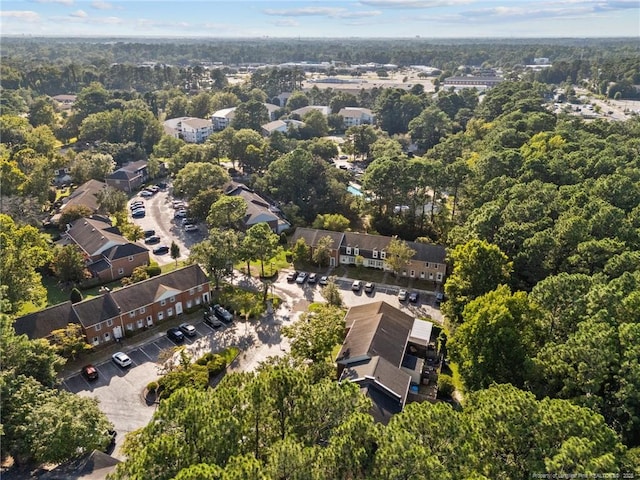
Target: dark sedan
column 175, row 334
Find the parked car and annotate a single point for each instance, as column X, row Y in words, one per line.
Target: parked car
column 211, row 320
column 189, row 227
column 153, row 239
column 161, row 250
column 153, row 188
column 146, row 193
column 149, row 233
column 414, row 297
column 356, row 285
column 121, row 359
column 177, row 204
column 175, row 334
column 369, row 287
column 90, row 372
column 439, row 298
column 222, row 313
column 137, row 204
column 291, row 276
column 188, row 329
column 313, row 278
column 402, row 295
column 324, row 280
column 302, row 277
column 138, row 214
column 180, row 214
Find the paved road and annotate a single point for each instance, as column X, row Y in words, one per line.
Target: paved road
column 160, row 217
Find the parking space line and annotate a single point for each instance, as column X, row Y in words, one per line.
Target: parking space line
column 145, row 354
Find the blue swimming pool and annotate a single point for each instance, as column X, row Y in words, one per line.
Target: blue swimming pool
column 354, row 191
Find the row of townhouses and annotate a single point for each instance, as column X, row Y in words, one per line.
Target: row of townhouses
column 107, row 317
column 428, row 263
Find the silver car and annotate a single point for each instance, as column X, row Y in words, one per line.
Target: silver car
column 121, row 359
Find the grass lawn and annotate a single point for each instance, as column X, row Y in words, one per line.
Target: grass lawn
column 171, row 266
column 270, row 267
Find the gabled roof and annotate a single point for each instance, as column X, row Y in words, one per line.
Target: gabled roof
column 355, row 112
column 125, row 250
column 163, row 292
column 323, row 109
column 273, row 126
column 129, row 171
column 428, row 252
column 144, row 293
column 375, row 329
column 258, row 209
column 365, row 241
column 312, row 236
column 225, row 113
column 41, row 324
column 94, row 236
column 197, row 123
column 381, row 372
column 85, row 194
column 90, row 466
column 96, row 309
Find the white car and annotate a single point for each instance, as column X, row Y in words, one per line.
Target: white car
column 190, row 228
column 121, row 359
column 180, row 214
column 188, row 329
column 146, row 193
column 402, row 295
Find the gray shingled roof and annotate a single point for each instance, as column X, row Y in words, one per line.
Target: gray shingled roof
column 41, row 324
column 85, row 194
column 312, row 236
column 428, row 252
column 122, row 251
column 96, row 310
column 143, row 293
column 375, row 329
column 95, row 236
column 366, row 242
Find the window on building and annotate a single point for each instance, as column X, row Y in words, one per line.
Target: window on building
column 107, row 336
column 413, row 273
column 163, row 302
column 375, row 254
column 439, row 277
column 160, row 315
column 109, row 323
column 172, row 299
column 131, row 258
column 421, row 274
column 142, row 310
column 132, row 314
column 129, row 326
column 430, row 275
column 189, row 303
column 191, row 291
column 199, row 288
column 98, row 327
column 426, row 264
column 121, row 271
column 96, row 340
column 383, row 254
column 348, row 250
column 140, row 323
column 356, row 251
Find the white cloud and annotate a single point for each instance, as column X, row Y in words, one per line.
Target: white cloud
column 24, row 15
column 100, row 5
column 61, row 2
column 414, row 3
column 321, row 12
column 286, row 22
column 79, row 14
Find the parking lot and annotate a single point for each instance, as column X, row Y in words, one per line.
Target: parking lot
column 160, row 217
column 120, row 390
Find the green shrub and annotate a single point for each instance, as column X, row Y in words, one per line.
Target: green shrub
column 152, row 386
column 76, row 296
column 154, row 270
column 206, row 358
column 216, row 365
column 445, row 386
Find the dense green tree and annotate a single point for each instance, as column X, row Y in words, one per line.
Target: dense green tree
column 362, row 137
column 399, row 254
column 250, row 115
column 490, row 323
column 263, row 242
column 24, row 250
column 478, row 268
column 200, row 205
column 70, row 341
column 227, row 212
column 331, row 293
column 246, row 147
column 428, row 128
column 332, row 221
column 69, row 264
column 196, row 177
column 111, row 200
column 216, row 254
column 41, row 112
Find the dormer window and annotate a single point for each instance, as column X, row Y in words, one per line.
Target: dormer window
column 356, row 251
column 383, row 254
column 375, row 254
column 348, row 250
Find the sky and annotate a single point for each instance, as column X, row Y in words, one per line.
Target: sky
column 316, row 18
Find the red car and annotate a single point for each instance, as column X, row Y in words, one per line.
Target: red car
column 90, row 372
